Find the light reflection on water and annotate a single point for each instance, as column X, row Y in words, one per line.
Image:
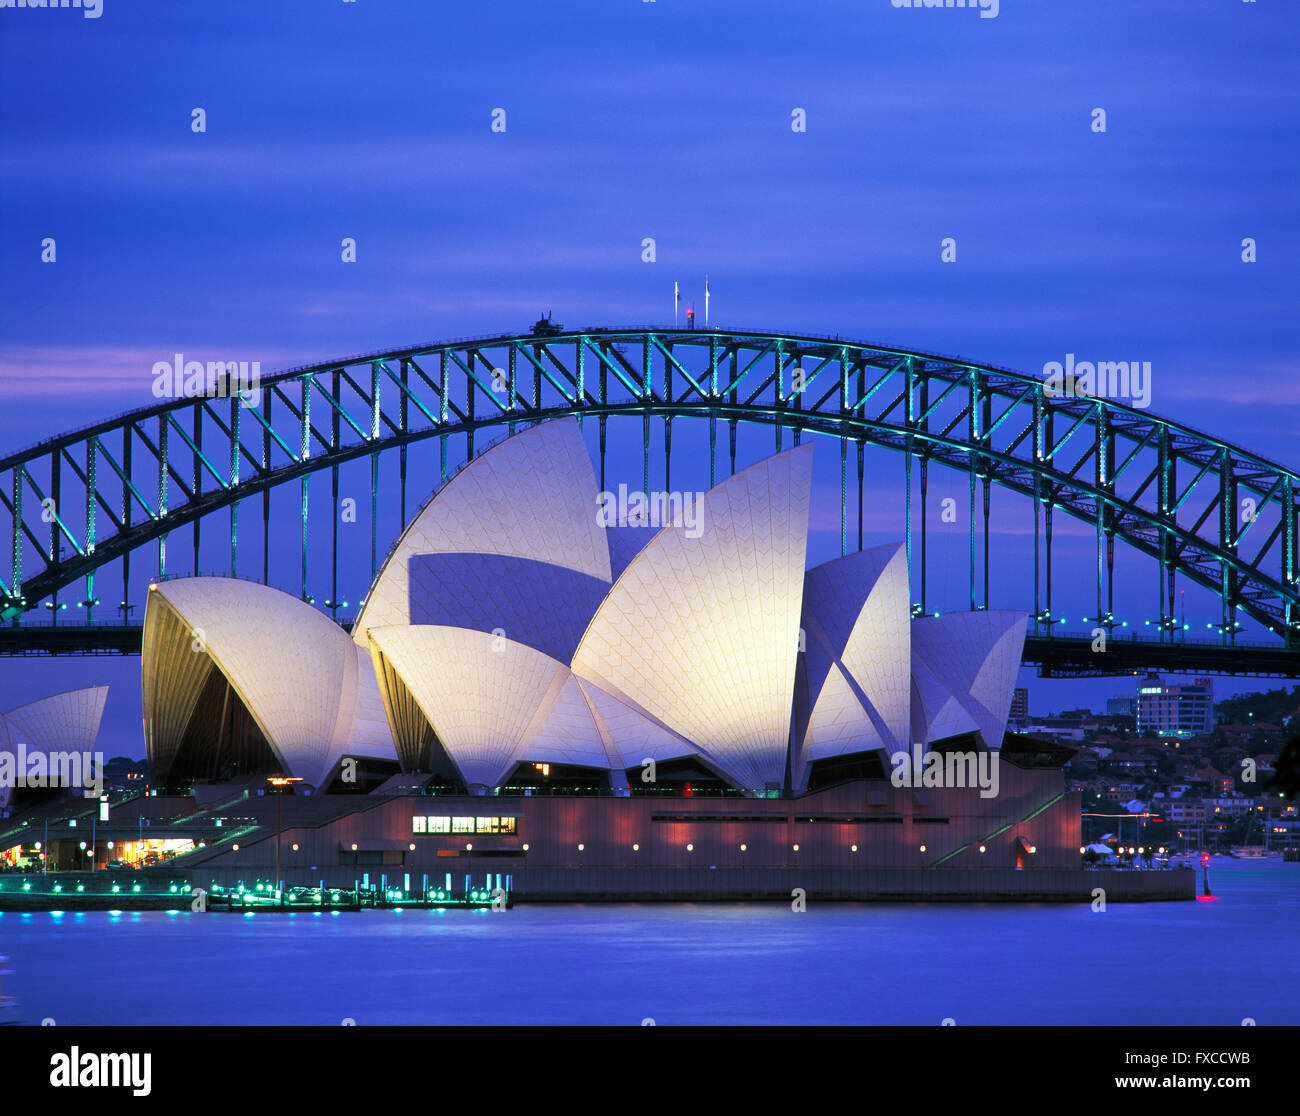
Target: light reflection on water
column 1140, row 964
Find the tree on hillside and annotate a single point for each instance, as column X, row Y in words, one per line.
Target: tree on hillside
column 1273, row 706
column 1286, row 773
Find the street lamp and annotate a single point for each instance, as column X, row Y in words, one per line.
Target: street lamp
column 279, row 782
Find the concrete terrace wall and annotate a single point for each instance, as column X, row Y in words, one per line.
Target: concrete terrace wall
column 839, row 885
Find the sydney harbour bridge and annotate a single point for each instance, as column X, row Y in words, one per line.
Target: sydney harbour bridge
column 92, row 515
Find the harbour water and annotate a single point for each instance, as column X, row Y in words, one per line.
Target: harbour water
column 1214, row 962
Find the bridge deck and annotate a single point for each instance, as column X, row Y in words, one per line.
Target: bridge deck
column 1064, row 655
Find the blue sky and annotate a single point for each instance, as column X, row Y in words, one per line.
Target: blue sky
column 628, row 120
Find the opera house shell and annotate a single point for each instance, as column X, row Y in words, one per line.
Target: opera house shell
column 509, row 625
column 66, row 722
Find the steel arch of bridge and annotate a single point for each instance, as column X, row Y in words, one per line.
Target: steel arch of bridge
column 1127, row 473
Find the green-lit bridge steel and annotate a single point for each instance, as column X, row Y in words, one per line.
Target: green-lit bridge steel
column 1205, row 512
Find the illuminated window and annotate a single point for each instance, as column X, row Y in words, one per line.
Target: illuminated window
column 495, row 825
column 439, row 825
column 419, row 825
column 462, row 825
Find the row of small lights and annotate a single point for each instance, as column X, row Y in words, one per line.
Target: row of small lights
column 469, row 847
column 1140, row 850
column 691, row 848
column 116, row 888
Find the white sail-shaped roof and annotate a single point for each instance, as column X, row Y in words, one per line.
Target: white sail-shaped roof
column 530, row 496
column 563, row 729
column 964, row 667
column 368, row 734
column 61, row 722
column 857, row 621
column 937, row 712
column 840, row 724
column 66, row 722
column 629, row 734
column 702, row 633
column 301, row 678
column 479, row 692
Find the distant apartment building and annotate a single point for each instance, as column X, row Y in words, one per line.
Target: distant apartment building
column 1019, row 706
column 1120, row 792
column 1174, row 710
column 1189, row 812
column 1229, row 807
column 1121, row 707
column 1053, row 729
column 1282, row 830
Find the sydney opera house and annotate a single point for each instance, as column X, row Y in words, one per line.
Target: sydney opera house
column 670, row 703
column 644, row 695
column 509, row 629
